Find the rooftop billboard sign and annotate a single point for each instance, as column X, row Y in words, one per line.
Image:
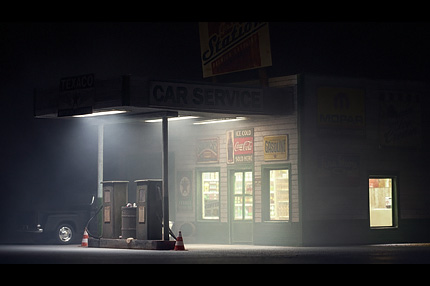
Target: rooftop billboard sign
column 234, row 46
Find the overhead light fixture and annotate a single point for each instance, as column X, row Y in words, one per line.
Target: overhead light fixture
column 171, row 119
column 220, row 120
column 101, row 113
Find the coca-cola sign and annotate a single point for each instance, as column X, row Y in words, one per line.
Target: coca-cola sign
column 240, row 146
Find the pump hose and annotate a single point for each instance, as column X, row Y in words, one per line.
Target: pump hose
column 98, row 237
column 86, row 226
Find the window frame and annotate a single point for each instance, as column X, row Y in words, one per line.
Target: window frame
column 265, row 191
column 394, row 201
column 199, row 184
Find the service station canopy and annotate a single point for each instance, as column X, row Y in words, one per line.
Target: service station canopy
column 85, row 94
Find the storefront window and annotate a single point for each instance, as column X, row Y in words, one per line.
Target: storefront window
column 210, row 195
column 381, row 202
column 279, row 195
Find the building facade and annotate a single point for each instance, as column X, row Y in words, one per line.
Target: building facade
column 339, row 161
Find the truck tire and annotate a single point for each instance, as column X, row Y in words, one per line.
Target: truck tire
column 64, row 234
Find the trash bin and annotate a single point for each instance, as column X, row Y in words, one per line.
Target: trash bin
column 128, row 221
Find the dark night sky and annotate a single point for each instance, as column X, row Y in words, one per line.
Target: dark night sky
column 36, row 54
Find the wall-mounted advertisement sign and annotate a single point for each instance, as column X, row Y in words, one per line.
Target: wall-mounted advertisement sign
column 234, row 46
column 341, row 110
column 184, row 198
column 207, row 150
column 240, row 146
column 399, row 119
column 275, row 148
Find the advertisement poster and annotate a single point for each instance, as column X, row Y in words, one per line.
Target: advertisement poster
column 234, row 46
column 399, row 119
column 240, row 146
column 341, row 109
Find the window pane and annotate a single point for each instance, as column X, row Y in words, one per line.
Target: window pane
column 279, row 195
column 380, row 202
column 238, row 207
column 238, row 185
column 248, row 207
column 248, row 183
column 210, row 195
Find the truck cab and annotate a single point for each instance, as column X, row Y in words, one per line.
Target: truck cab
column 61, row 224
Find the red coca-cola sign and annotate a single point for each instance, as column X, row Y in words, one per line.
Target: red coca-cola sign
column 240, row 146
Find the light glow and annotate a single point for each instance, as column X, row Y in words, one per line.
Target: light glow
column 220, row 120
column 101, row 113
column 171, row 119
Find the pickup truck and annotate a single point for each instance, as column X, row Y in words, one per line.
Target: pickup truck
column 58, row 226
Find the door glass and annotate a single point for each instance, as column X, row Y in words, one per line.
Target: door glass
column 238, row 207
column 380, row 202
column 243, row 196
column 238, row 185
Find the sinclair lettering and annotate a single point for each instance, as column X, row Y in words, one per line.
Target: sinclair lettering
column 202, row 97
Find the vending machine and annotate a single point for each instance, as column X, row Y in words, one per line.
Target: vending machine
column 149, row 215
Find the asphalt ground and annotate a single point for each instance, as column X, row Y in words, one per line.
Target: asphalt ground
column 416, row 253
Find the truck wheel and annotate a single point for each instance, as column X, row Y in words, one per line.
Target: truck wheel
column 64, row 233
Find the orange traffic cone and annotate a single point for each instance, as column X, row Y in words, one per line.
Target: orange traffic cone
column 179, row 245
column 85, row 239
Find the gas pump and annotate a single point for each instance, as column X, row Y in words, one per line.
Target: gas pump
column 115, row 195
column 149, row 209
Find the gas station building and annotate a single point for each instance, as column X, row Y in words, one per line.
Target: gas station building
column 303, row 160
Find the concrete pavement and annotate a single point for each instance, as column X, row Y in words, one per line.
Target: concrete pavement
column 219, row 254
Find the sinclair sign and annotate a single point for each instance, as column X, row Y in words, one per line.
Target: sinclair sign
column 234, row 46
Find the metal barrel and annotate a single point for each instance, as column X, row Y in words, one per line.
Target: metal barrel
column 128, row 219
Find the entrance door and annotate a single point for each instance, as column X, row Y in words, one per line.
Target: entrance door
column 242, row 209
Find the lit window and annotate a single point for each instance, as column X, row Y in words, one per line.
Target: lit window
column 381, row 202
column 279, row 195
column 210, row 195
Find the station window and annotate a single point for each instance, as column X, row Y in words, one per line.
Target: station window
column 276, row 192
column 279, row 195
column 210, row 195
column 381, row 202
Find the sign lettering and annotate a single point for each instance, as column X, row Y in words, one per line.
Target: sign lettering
column 275, row 148
column 240, row 146
column 202, row 97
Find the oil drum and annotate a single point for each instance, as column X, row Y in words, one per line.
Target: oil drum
column 128, row 219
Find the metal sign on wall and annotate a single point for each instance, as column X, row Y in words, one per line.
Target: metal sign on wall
column 234, row 46
column 207, row 150
column 275, row 148
column 240, row 146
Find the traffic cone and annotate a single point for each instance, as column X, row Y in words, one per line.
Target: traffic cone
column 85, row 239
column 179, row 245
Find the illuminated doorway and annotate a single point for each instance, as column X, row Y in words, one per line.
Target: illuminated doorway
column 382, row 204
